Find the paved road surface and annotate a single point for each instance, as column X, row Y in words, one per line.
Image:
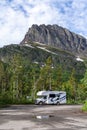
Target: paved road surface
column 45, row 117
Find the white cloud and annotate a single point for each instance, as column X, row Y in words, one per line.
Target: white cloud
column 16, row 16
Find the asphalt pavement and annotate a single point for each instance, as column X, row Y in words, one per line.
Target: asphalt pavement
column 43, row 117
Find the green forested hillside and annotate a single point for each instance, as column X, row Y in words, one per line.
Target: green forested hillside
column 24, row 70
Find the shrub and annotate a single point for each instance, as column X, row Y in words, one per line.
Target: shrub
column 5, row 98
column 84, row 108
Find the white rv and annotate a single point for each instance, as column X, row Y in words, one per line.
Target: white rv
column 51, row 97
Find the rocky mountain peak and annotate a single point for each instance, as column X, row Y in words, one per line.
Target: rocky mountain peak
column 56, row 36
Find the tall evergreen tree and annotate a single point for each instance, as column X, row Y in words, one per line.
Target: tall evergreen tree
column 84, row 83
column 2, row 77
column 71, row 87
column 45, row 78
column 58, row 78
column 16, row 78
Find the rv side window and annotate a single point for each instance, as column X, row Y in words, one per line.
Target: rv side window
column 52, row 95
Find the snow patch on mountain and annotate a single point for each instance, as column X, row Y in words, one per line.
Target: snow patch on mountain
column 43, row 48
column 79, row 59
column 28, row 45
column 42, row 44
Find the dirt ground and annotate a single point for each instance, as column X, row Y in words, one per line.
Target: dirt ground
column 45, row 117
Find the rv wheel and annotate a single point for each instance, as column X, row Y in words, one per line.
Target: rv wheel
column 58, row 103
column 40, row 103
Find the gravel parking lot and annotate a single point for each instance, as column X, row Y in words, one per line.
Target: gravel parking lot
column 45, row 117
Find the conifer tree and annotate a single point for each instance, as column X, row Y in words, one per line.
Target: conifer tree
column 2, row 77
column 16, row 78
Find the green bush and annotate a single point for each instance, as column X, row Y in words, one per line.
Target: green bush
column 23, row 100
column 5, row 98
column 84, row 108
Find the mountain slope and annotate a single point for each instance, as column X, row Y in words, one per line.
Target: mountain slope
column 56, row 36
column 67, row 49
column 38, row 53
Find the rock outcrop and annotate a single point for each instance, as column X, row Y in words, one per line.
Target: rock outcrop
column 56, row 36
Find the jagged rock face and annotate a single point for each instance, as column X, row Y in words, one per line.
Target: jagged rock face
column 56, row 36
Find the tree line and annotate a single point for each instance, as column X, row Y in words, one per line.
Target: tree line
column 20, row 80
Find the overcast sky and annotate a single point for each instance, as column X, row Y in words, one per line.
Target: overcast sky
column 16, row 16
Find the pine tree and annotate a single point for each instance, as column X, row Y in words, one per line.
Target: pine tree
column 16, row 76
column 71, row 87
column 58, row 78
column 84, row 83
column 2, row 77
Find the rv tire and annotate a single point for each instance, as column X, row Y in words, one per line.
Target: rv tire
column 58, row 103
column 40, row 103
